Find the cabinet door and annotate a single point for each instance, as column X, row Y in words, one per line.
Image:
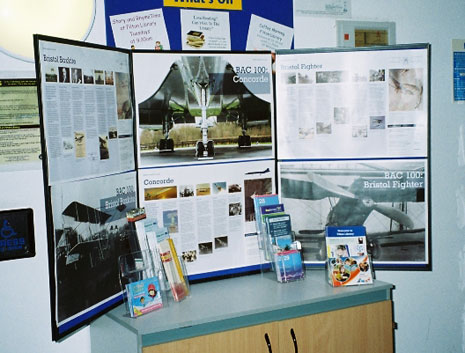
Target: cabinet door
column 365, row 328
column 244, row 340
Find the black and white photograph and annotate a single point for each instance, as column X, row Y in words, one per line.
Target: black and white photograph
column 389, row 198
column 63, row 74
column 76, row 75
column 406, row 89
column 91, row 232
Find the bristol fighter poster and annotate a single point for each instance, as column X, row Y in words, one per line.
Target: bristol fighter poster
column 387, row 197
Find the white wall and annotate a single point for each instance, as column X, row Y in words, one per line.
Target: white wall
column 25, row 323
column 429, row 306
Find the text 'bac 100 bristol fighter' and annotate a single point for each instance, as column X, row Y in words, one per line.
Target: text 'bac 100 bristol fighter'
column 202, row 91
column 392, row 210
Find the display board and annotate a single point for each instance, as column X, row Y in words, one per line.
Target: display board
column 353, row 148
column 88, row 143
column 195, row 25
column 200, row 127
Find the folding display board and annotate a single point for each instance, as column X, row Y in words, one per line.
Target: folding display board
column 353, row 148
column 88, row 150
column 188, row 136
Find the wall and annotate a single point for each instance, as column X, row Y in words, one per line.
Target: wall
column 25, row 324
column 429, row 307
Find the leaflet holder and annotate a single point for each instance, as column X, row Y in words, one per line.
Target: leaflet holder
column 285, row 262
column 143, row 283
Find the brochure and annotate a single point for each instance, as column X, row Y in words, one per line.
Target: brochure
column 172, row 265
column 279, row 229
column 348, row 262
column 288, row 265
column 136, row 219
column 144, row 296
column 259, row 201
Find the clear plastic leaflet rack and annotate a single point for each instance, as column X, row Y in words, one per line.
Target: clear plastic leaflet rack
column 143, row 283
column 279, row 252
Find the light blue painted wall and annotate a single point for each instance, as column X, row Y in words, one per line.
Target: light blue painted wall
column 429, row 307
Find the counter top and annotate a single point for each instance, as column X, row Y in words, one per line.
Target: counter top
column 243, row 301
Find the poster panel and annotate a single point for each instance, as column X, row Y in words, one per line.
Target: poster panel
column 19, row 125
column 208, row 210
column 90, row 232
column 87, row 110
column 388, row 197
column 353, row 103
column 198, row 107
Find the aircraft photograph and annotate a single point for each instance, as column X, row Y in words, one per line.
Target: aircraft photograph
column 203, row 109
column 388, row 198
column 91, row 232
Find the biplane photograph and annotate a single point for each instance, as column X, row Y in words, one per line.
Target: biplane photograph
column 91, row 232
column 388, row 198
column 203, row 109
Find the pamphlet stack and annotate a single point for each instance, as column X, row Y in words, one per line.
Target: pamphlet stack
column 276, row 240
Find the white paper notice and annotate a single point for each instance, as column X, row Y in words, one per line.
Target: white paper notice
column 340, row 8
column 265, row 34
column 205, row 30
column 140, row 30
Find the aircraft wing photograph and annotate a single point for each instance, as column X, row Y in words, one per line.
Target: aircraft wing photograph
column 91, row 232
column 204, row 97
column 387, row 198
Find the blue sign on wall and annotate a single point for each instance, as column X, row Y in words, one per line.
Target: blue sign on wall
column 16, row 234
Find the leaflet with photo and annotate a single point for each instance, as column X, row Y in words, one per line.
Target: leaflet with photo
column 288, row 265
column 279, row 229
column 144, row 296
column 347, row 254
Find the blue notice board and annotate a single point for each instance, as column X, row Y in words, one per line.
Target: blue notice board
column 459, row 76
column 280, row 11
